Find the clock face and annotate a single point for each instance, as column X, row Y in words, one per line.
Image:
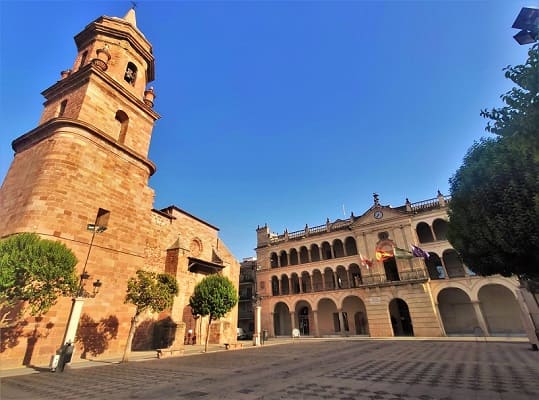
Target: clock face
column 378, row 214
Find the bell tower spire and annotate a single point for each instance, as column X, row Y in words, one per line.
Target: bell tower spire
column 114, row 62
column 130, row 15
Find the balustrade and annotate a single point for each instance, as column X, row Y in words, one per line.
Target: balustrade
column 375, row 280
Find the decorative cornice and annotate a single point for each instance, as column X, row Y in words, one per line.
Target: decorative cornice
column 83, row 75
column 52, row 126
column 97, row 27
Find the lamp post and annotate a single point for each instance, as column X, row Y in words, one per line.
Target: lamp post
column 528, row 23
column 99, row 226
column 257, row 306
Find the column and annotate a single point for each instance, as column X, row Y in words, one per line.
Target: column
column 273, row 324
column 292, row 320
column 258, row 317
column 311, row 280
column 341, row 322
column 315, row 318
column 480, row 319
column 439, row 318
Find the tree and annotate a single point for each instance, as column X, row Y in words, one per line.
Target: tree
column 494, row 207
column 493, row 212
column 215, row 295
column 35, row 270
column 520, row 116
column 148, row 291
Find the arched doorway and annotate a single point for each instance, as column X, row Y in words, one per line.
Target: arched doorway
column 303, row 317
column 281, row 320
column 457, row 312
column 400, row 318
column 328, row 317
column 390, row 268
column 354, row 307
column 500, row 310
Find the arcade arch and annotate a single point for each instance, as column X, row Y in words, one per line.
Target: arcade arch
column 401, row 320
column 281, row 320
column 457, row 312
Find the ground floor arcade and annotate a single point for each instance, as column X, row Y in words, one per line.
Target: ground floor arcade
column 468, row 306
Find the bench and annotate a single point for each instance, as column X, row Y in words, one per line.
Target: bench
column 163, row 353
column 233, row 346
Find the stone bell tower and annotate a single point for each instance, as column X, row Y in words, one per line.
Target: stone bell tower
column 90, row 148
column 89, row 156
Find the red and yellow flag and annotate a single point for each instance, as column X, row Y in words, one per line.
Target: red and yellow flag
column 382, row 255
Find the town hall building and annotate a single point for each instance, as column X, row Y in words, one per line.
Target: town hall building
column 361, row 276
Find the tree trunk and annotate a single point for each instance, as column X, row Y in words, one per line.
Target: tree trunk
column 207, row 336
column 127, row 350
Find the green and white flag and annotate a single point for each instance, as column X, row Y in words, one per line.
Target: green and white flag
column 401, row 253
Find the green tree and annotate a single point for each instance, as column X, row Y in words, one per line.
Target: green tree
column 35, row 270
column 494, row 207
column 148, row 291
column 493, row 212
column 215, row 295
column 520, row 115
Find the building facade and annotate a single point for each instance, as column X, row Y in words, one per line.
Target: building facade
column 87, row 162
column 356, row 276
column 246, row 318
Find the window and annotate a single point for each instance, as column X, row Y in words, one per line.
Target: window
column 123, row 119
column 130, row 73
column 62, row 109
column 83, row 59
column 383, row 235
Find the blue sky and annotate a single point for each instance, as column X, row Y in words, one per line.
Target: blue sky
column 286, row 112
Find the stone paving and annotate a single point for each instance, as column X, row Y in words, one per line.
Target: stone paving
column 337, row 369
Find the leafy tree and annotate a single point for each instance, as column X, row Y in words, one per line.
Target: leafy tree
column 35, row 270
column 493, row 212
column 520, row 116
column 148, row 291
column 215, row 295
column 494, row 209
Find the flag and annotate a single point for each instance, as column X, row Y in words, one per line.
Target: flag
column 365, row 262
column 382, row 255
column 418, row 252
column 402, row 253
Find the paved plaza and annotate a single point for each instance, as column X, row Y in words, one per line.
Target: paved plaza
column 340, row 369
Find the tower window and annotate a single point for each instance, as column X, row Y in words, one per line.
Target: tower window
column 62, row 108
column 83, row 59
column 123, row 119
column 130, row 73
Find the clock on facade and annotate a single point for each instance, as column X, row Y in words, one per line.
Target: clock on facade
column 378, row 214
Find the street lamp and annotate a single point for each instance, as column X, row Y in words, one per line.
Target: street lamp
column 257, row 305
column 528, row 23
column 99, row 226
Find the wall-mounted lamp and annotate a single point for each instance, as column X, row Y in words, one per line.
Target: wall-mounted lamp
column 96, row 286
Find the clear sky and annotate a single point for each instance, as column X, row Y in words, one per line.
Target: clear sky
column 286, row 112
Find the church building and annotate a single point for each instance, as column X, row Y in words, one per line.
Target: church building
column 388, row 272
column 81, row 177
